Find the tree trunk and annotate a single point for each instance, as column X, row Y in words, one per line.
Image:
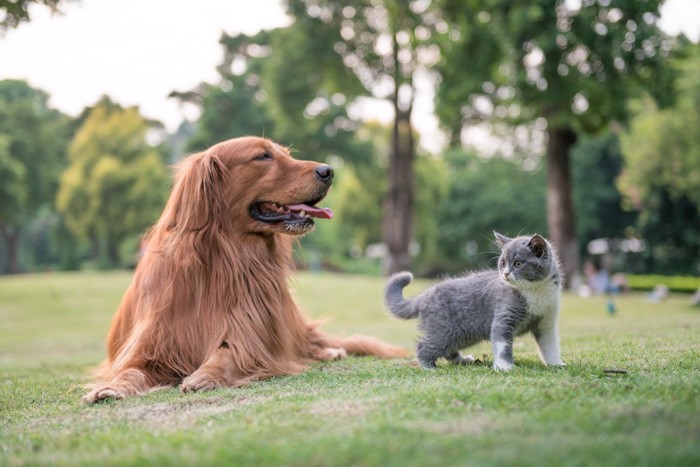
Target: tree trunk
column 94, row 246
column 560, row 206
column 398, row 204
column 397, row 227
column 11, row 238
column 113, row 253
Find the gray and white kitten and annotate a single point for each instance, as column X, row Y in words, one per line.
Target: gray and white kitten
column 521, row 296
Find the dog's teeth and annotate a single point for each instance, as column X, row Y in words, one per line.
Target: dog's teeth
column 302, row 213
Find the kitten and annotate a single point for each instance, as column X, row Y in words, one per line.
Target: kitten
column 522, row 296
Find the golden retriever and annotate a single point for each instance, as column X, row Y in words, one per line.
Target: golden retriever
column 209, row 304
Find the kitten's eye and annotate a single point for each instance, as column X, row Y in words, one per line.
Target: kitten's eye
column 503, row 263
column 517, row 264
column 266, row 156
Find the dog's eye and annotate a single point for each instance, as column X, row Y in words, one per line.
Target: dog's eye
column 266, row 156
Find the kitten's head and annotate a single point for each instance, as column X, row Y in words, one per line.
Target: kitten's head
column 526, row 259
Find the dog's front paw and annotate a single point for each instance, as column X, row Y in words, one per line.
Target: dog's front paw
column 331, row 353
column 199, row 382
column 102, row 394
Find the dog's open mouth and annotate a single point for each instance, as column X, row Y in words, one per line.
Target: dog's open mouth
column 293, row 215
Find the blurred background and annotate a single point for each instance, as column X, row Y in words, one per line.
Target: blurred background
column 444, row 120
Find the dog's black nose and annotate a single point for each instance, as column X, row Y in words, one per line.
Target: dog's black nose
column 324, row 173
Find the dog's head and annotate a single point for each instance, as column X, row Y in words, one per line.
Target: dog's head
column 251, row 184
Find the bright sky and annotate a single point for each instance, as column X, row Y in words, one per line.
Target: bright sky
column 135, row 51
column 138, row 51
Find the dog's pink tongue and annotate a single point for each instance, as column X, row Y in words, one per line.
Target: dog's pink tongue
column 323, row 213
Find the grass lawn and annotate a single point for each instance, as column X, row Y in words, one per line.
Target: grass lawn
column 359, row 411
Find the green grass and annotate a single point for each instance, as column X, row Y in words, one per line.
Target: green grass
column 686, row 284
column 359, row 411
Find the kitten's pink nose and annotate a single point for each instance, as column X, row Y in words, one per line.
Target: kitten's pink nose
column 506, row 273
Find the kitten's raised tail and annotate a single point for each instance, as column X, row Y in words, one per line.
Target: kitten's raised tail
column 393, row 296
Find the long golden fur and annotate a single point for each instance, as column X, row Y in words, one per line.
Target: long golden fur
column 209, row 304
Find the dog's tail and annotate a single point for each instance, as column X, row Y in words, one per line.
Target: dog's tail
column 367, row 345
column 353, row 345
column 393, row 296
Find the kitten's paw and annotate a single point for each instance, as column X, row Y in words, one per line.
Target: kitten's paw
column 463, row 359
column 502, row 366
column 427, row 365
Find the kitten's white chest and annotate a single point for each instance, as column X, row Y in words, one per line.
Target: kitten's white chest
column 542, row 300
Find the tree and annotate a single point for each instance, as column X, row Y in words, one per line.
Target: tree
column 115, row 184
column 662, row 146
column 234, row 107
column 661, row 176
column 383, row 45
column 269, row 88
column 17, row 11
column 13, row 196
column 310, row 97
column 33, row 138
column 573, row 65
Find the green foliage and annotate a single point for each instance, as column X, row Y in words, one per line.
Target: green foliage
column 661, row 177
column 662, row 146
column 363, row 43
column 358, row 411
column 357, row 199
column 487, row 195
column 574, row 65
column 308, row 99
column 376, row 47
column 13, row 189
column 116, row 183
column 230, row 110
column 360, row 189
column 33, row 138
column 359, row 207
column 270, row 88
column 683, row 284
column 672, row 232
column 14, row 12
column 433, row 185
column 596, row 163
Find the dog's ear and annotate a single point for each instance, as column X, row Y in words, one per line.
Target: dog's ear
column 196, row 201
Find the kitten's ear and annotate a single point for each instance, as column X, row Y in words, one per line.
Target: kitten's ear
column 501, row 239
column 538, row 245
